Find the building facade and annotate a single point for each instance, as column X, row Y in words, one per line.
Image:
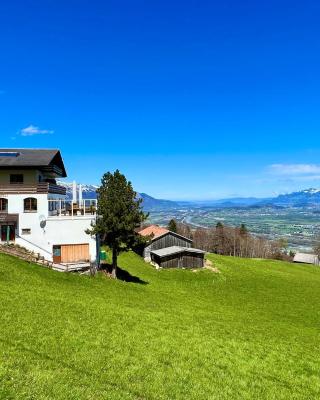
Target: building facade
column 34, row 210
column 306, row 258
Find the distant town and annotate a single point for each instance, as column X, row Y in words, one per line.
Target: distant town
column 293, row 216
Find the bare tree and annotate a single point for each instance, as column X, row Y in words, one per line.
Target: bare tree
column 239, row 242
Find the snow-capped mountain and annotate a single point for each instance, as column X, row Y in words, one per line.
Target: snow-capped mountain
column 90, row 192
column 306, row 197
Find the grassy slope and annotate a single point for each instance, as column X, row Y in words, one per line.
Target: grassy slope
column 251, row 332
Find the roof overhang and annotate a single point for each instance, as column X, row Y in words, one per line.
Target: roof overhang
column 174, row 234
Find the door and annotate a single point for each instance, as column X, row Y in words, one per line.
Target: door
column 56, row 253
column 8, row 233
column 71, row 253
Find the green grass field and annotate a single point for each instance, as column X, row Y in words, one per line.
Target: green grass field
column 250, row 332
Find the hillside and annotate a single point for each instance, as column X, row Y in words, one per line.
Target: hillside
column 250, row 332
column 150, row 203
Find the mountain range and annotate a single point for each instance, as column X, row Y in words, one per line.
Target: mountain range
column 149, row 203
column 304, row 198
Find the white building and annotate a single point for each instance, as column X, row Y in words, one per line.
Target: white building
column 34, row 211
column 306, row 258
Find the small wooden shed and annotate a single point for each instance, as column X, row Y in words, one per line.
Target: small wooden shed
column 161, row 238
column 178, row 257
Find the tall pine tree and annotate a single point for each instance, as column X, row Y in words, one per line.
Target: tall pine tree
column 119, row 213
column 243, row 230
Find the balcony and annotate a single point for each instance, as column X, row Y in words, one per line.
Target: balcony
column 67, row 208
column 38, row 188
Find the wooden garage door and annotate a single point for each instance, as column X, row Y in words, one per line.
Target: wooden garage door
column 74, row 253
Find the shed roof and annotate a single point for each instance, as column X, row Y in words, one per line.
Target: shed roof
column 306, row 258
column 28, row 158
column 168, row 251
column 154, row 231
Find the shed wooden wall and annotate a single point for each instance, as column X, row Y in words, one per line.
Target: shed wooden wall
column 182, row 260
column 193, row 260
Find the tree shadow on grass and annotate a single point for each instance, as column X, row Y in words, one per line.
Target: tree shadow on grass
column 123, row 275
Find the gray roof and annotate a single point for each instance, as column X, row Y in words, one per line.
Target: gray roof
column 174, row 234
column 168, row 251
column 306, row 258
column 29, row 158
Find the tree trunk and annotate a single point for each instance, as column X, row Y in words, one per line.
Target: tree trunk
column 114, row 262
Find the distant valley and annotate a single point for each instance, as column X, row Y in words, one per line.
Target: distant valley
column 294, row 216
column 303, row 198
column 149, row 203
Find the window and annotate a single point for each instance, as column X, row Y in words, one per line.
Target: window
column 3, row 205
column 16, row 178
column 26, row 231
column 30, row 204
column 9, row 154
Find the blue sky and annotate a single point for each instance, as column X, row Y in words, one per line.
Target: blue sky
column 190, row 99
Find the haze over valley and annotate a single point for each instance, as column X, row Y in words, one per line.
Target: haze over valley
column 293, row 216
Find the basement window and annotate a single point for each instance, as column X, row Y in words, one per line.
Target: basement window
column 26, row 231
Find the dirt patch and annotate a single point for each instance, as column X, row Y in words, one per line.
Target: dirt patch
column 209, row 265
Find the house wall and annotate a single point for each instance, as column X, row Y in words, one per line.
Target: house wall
column 75, row 253
column 30, row 176
column 56, row 231
column 164, row 241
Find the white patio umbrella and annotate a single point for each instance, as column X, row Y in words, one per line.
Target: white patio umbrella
column 80, row 195
column 74, row 192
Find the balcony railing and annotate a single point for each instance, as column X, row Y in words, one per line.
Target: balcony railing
column 38, row 188
column 67, row 208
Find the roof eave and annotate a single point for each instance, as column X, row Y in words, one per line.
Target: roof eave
column 174, row 234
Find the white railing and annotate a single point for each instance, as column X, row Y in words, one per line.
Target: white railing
column 67, row 208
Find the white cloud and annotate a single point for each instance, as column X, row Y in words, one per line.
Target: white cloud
column 294, row 169
column 35, row 130
column 306, row 178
